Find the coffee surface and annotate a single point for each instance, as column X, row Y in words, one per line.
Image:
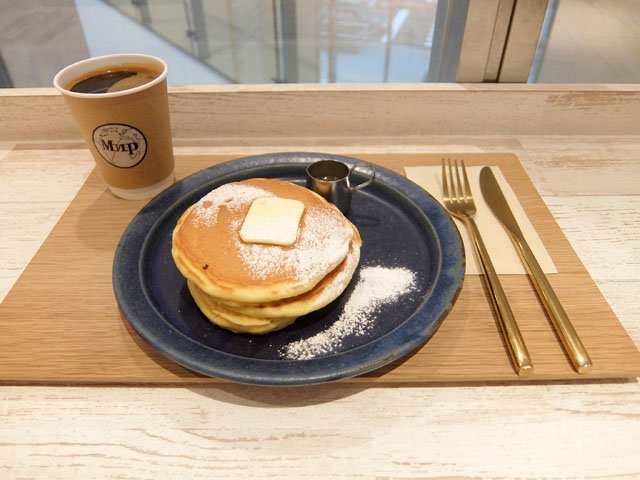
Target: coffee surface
column 114, row 79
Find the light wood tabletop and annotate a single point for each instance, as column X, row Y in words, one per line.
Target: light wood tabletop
column 588, row 174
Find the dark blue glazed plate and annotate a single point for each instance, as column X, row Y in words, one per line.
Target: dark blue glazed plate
column 401, row 226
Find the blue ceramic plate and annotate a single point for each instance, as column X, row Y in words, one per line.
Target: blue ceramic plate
column 401, row 226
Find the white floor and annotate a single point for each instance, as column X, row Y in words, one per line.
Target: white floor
column 593, row 41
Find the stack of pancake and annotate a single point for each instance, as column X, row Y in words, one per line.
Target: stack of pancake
column 257, row 286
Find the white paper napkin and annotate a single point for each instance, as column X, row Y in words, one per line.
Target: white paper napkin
column 503, row 255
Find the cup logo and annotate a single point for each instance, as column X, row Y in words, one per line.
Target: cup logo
column 121, row 145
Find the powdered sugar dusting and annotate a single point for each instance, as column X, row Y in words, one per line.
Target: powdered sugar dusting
column 320, row 243
column 335, row 288
column 232, row 195
column 376, row 286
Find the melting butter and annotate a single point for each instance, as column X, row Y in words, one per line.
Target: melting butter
column 273, row 221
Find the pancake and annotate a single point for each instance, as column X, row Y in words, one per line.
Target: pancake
column 257, row 287
column 256, row 326
column 325, row 292
column 209, row 252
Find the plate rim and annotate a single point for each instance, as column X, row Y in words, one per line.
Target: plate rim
column 190, row 353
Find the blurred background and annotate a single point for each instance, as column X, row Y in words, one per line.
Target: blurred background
column 330, row 41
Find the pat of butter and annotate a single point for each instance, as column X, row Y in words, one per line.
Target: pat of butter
column 272, row 220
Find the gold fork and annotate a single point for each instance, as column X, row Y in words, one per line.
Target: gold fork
column 459, row 202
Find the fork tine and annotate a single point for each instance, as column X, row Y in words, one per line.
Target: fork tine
column 454, row 192
column 467, row 186
column 445, row 183
column 462, row 195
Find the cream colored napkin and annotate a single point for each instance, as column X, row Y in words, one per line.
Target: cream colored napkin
column 503, row 254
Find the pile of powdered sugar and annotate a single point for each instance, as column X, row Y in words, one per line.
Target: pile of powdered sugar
column 376, row 286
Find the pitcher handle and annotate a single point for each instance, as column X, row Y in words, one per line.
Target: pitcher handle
column 366, row 182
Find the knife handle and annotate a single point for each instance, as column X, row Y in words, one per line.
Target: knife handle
column 568, row 335
column 510, row 331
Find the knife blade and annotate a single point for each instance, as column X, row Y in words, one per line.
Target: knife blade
column 498, row 204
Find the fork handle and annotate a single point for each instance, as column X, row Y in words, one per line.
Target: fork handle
column 511, row 332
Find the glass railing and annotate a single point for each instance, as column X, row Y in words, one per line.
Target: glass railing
column 288, row 41
column 315, row 41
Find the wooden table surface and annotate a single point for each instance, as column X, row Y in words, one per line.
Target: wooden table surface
column 560, row 430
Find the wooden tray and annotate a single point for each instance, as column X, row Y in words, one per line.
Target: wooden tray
column 61, row 323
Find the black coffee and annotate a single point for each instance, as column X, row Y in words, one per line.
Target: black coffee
column 114, row 79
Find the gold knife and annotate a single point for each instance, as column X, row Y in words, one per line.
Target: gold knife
column 571, row 341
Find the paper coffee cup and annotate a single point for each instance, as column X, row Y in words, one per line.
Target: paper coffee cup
column 128, row 132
